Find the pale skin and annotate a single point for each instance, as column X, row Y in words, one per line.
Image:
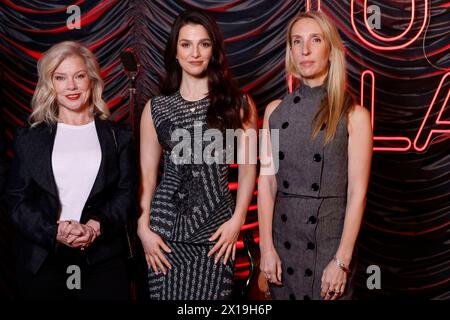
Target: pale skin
column 310, row 53
column 194, row 50
column 73, row 90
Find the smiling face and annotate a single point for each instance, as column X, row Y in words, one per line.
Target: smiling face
column 309, row 51
column 194, row 50
column 72, row 85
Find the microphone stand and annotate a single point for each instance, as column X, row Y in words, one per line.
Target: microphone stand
column 132, row 75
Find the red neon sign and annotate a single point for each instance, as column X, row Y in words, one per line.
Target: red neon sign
column 441, row 124
column 424, row 134
column 403, row 143
column 403, row 34
column 400, row 143
column 388, row 39
column 392, row 140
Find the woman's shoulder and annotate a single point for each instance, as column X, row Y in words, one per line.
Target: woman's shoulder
column 161, row 106
column 23, row 131
column 275, row 104
column 162, row 99
column 358, row 113
column 28, row 130
column 31, row 137
column 122, row 131
column 120, row 127
column 358, row 118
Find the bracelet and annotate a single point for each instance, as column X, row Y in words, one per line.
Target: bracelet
column 341, row 265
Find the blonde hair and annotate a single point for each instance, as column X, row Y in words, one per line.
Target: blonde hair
column 338, row 101
column 44, row 103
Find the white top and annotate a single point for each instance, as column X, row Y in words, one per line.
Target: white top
column 76, row 160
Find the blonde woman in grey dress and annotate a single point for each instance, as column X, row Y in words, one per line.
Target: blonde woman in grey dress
column 311, row 205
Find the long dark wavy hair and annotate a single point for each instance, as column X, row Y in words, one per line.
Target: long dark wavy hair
column 226, row 100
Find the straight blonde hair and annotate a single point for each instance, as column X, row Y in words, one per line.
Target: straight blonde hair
column 338, row 101
column 44, row 103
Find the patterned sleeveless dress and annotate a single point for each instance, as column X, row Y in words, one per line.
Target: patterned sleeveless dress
column 190, row 203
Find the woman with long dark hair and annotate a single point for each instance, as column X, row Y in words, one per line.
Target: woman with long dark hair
column 189, row 225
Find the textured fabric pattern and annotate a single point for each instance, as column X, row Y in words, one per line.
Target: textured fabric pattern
column 320, row 171
column 189, row 205
column 312, row 186
column 194, row 276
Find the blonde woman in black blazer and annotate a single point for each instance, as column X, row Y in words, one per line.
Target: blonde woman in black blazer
column 59, row 257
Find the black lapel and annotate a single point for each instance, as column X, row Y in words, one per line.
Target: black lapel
column 41, row 145
column 106, row 140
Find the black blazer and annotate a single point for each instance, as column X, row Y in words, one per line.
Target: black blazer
column 33, row 201
column 3, row 163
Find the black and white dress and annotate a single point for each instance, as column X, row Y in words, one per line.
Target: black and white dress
column 190, row 203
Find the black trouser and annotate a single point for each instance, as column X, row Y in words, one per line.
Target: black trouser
column 57, row 279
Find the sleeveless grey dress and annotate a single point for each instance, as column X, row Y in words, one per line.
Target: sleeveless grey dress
column 311, row 200
column 189, row 205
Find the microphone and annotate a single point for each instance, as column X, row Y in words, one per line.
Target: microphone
column 131, row 66
column 129, row 61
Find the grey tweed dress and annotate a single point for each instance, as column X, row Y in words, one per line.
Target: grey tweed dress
column 311, row 200
column 190, row 203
